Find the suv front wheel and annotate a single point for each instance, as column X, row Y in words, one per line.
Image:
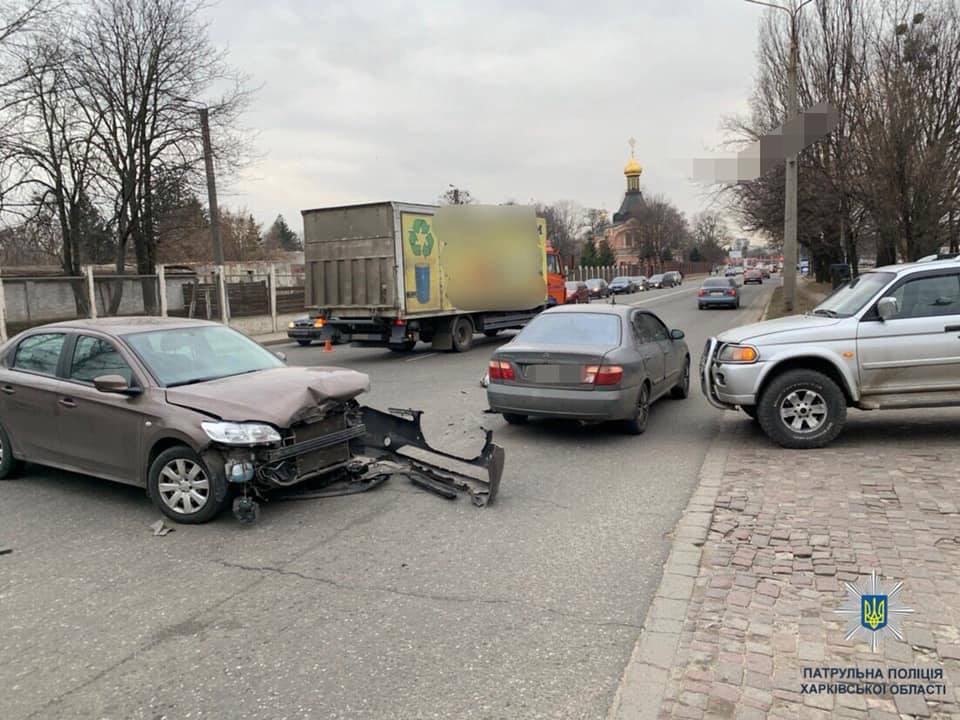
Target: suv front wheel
column 802, row 409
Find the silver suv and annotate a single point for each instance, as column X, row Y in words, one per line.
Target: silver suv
column 889, row 339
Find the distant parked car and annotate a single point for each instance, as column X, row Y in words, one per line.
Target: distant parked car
column 664, row 280
column 577, row 292
column 622, row 285
column 641, row 282
column 753, row 276
column 593, row 364
column 656, row 281
column 718, row 292
column 598, row 288
column 673, row 277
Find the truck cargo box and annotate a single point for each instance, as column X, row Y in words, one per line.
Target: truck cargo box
column 401, row 260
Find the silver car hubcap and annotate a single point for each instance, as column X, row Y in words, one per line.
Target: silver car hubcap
column 803, row 411
column 184, row 486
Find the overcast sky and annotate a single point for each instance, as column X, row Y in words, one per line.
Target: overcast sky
column 521, row 100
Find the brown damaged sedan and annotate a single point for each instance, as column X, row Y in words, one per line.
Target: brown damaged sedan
column 200, row 414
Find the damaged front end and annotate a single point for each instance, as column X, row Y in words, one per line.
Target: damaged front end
column 344, row 448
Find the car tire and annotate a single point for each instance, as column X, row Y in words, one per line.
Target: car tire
column 181, row 461
column 461, row 329
column 515, row 419
column 682, row 389
column 638, row 424
column 304, row 343
column 816, row 403
column 9, row 465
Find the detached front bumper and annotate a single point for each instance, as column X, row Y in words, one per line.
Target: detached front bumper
column 728, row 386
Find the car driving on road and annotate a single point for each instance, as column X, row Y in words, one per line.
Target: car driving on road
column 888, row 339
column 718, row 292
column 590, row 363
column 598, row 288
column 753, row 275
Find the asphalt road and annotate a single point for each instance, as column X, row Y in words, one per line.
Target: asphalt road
column 389, row 604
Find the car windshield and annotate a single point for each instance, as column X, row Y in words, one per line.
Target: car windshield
column 572, row 285
column 716, row 283
column 621, row 280
column 657, row 277
column 594, row 283
column 565, row 328
column 196, row 354
column 850, row 298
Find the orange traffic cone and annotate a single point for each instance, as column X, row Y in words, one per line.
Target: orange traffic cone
column 328, row 346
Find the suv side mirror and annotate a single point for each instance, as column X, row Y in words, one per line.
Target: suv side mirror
column 114, row 384
column 887, row 308
column 676, row 335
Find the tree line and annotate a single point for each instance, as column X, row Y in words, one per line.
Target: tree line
column 663, row 231
column 101, row 153
column 885, row 184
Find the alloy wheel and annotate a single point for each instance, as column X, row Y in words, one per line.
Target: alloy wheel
column 643, row 406
column 184, row 486
column 803, row 411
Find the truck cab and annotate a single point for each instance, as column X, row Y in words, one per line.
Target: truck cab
column 556, row 281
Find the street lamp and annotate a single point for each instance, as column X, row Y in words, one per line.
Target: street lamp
column 790, row 187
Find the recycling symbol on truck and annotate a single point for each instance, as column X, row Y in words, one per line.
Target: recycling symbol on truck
column 420, row 238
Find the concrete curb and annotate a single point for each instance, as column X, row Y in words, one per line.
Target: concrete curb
column 644, row 682
column 645, row 679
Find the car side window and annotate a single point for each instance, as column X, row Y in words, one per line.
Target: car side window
column 93, row 357
column 653, row 329
column 928, row 297
column 39, row 353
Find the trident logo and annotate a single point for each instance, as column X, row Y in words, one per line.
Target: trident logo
column 873, row 615
column 875, row 610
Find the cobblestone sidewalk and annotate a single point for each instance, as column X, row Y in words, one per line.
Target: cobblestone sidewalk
column 788, row 528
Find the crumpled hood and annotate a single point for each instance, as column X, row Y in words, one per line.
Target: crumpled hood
column 280, row 396
column 793, row 328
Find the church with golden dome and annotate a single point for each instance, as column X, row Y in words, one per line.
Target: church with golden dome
column 624, row 236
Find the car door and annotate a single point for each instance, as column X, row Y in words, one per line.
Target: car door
column 650, row 349
column 918, row 349
column 672, row 358
column 29, row 387
column 100, row 432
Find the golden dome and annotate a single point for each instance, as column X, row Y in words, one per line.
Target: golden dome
column 632, row 167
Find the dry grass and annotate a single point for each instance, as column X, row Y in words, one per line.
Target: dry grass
column 809, row 295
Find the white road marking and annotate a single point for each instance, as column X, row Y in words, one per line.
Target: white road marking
column 662, row 297
column 420, row 357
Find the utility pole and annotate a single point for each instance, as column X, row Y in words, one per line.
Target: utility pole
column 211, row 188
column 790, row 249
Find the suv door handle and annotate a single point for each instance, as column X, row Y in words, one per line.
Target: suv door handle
column 952, row 328
column 8, row 389
column 68, row 403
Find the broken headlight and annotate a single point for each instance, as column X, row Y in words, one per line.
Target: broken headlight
column 228, row 433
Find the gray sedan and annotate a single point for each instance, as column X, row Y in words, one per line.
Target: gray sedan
column 590, row 363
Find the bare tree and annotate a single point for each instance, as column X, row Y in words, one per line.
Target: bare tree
column 140, row 68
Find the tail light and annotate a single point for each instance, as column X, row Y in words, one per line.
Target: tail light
column 602, row 374
column 702, row 292
column 732, row 292
column 399, row 322
column 500, row 370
